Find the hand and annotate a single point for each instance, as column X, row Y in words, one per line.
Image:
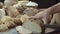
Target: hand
column 40, row 15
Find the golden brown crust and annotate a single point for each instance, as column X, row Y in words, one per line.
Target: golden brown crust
column 12, row 12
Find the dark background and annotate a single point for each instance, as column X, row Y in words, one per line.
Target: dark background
column 46, row 3
column 43, row 3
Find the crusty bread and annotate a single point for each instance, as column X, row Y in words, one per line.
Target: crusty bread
column 8, row 21
column 24, row 18
column 17, row 21
column 30, row 11
column 11, row 11
column 19, row 8
column 22, row 30
column 6, row 18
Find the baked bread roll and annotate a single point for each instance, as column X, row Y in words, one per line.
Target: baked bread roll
column 10, row 2
column 24, row 18
column 17, row 21
column 22, row 30
column 19, row 8
column 12, row 12
column 3, row 27
column 30, row 11
column 8, row 21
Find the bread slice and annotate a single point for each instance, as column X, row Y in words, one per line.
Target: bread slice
column 22, row 30
column 35, row 27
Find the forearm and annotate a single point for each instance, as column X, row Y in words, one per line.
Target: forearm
column 51, row 10
column 54, row 9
